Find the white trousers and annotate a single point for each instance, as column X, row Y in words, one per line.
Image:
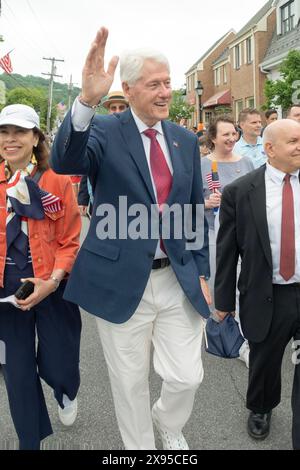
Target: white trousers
column 166, row 318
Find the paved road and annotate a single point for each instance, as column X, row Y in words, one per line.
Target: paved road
column 218, row 420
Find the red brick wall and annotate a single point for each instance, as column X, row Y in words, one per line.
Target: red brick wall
column 242, row 80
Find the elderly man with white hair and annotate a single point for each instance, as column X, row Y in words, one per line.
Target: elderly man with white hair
column 148, row 287
column 260, row 222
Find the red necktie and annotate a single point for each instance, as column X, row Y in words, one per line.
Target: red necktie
column 287, row 250
column 160, row 171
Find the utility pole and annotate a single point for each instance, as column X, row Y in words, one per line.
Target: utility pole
column 50, row 96
column 70, row 89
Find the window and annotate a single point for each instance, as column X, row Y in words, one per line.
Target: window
column 288, row 17
column 191, row 81
column 250, row 102
column 249, row 55
column 224, row 74
column 208, row 117
column 237, row 55
column 217, row 76
column 238, row 108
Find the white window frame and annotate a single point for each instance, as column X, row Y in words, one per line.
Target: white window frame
column 250, row 102
column 237, row 108
column 208, row 115
column 217, row 76
column 224, row 74
column 289, row 23
column 237, row 55
column 248, row 50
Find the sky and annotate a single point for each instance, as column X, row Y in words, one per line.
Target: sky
column 182, row 29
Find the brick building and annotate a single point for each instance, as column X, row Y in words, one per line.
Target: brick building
column 230, row 71
column 203, row 70
column 286, row 37
column 246, row 53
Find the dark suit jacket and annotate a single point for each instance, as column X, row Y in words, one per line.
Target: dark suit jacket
column 109, row 276
column 244, row 231
column 83, row 197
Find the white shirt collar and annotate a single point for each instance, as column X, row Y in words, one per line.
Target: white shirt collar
column 142, row 126
column 276, row 175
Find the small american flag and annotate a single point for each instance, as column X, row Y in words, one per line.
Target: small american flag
column 50, row 202
column 212, row 178
column 5, row 64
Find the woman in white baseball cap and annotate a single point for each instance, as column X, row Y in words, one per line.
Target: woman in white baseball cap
column 40, row 226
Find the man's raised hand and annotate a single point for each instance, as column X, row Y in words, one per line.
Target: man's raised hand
column 96, row 82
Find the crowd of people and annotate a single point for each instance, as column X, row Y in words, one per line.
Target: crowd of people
column 146, row 286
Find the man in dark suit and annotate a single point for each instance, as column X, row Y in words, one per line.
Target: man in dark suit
column 142, row 286
column 260, row 221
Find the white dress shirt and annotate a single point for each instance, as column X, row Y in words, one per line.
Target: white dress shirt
column 274, row 185
column 81, row 117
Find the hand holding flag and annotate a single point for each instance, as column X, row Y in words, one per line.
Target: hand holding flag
column 213, row 181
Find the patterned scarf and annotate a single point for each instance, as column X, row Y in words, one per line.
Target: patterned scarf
column 25, row 200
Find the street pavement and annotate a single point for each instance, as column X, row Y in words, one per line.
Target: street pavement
column 218, row 420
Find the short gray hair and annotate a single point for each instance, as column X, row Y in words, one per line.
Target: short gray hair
column 131, row 63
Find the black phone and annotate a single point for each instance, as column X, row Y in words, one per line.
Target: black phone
column 24, row 290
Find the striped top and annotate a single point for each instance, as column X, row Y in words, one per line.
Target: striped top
column 10, row 262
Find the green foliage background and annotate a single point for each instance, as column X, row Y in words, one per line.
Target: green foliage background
column 33, row 91
column 179, row 108
column 286, row 91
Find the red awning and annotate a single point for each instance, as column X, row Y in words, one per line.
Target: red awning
column 223, row 97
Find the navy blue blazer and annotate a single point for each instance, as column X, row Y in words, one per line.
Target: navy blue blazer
column 110, row 275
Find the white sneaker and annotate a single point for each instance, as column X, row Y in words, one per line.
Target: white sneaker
column 244, row 353
column 170, row 440
column 69, row 413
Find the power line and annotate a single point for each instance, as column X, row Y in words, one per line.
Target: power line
column 16, row 25
column 16, row 30
column 42, row 27
column 19, row 82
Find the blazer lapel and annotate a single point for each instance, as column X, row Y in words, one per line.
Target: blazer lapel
column 176, row 158
column 257, row 196
column 135, row 145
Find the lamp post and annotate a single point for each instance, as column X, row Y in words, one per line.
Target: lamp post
column 199, row 91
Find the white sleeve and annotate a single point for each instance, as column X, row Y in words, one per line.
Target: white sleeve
column 81, row 116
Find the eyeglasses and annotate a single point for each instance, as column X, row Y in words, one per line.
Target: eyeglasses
column 117, row 108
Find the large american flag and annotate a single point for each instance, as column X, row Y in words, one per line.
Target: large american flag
column 212, row 178
column 5, row 63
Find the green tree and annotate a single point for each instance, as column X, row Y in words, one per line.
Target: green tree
column 179, row 108
column 35, row 97
column 286, row 91
column 60, row 90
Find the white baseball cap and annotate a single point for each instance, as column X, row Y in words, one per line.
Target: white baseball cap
column 19, row 115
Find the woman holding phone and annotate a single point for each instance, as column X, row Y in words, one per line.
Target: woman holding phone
column 39, row 240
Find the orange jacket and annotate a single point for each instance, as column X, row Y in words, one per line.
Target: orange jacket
column 54, row 240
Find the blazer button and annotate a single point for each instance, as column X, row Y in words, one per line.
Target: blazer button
column 39, row 260
column 269, row 299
